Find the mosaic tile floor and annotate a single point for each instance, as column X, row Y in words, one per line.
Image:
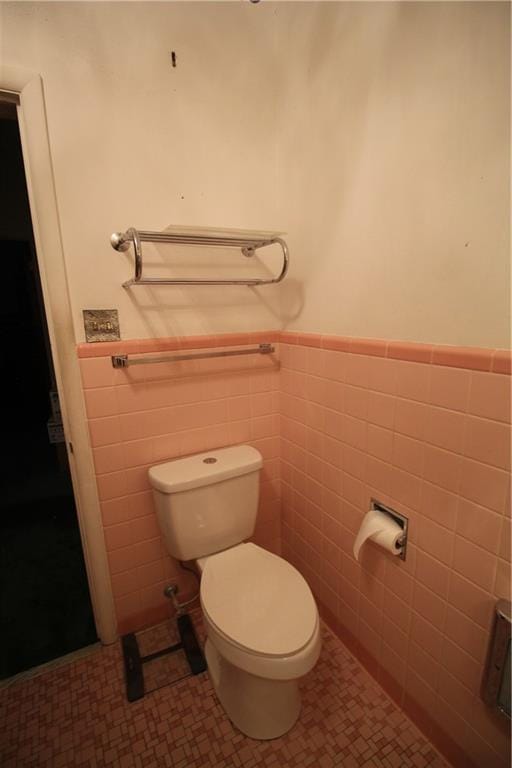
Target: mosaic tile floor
column 169, row 668
column 77, row 715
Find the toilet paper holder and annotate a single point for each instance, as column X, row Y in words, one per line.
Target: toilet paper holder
column 401, row 520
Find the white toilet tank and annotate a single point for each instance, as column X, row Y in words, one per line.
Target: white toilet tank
column 207, row 502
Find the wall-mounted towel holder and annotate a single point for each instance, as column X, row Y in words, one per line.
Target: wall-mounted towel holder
column 123, row 361
column 249, row 242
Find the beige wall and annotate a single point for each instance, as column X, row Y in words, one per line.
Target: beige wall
column 136, row 142
column 376, row 135
column 395, row 169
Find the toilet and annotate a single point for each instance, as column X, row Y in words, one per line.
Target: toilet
column 261, row 619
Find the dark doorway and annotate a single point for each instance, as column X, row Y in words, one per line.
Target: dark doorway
column 45, row 606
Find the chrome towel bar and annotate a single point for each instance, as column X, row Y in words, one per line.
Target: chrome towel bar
column 123, row 361
column 249, row 242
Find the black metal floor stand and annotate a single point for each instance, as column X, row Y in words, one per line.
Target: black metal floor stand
column 134, row 662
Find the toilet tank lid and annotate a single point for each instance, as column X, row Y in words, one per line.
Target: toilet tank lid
column 205, row 468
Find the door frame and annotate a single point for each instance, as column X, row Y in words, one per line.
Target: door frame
column 26, row 88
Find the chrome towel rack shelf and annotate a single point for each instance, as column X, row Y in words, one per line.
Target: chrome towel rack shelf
column 123, row 361
column 248, row 242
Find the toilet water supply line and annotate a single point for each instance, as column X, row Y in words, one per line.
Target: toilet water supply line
column 172, row 590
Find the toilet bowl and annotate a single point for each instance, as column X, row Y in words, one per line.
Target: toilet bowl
column 263, row 636
column 261, row 618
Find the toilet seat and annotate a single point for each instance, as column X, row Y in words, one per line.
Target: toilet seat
column 258, row 603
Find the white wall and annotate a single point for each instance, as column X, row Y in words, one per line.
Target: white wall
column 395, row 169
column 375, row 134
column 136, row 142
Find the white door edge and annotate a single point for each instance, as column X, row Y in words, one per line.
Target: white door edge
column 52, row 269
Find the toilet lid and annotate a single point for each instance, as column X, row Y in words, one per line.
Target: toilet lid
column 258, row 601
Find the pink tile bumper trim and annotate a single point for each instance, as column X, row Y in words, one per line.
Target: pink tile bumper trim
column 471, row 358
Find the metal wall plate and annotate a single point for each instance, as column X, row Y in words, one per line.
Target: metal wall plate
column 495, row 689
column 101, row 325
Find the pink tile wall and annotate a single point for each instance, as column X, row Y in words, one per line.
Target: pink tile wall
column 427, row 431
column 148, row 414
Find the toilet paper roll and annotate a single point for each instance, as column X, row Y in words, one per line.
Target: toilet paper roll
column 381, row 529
